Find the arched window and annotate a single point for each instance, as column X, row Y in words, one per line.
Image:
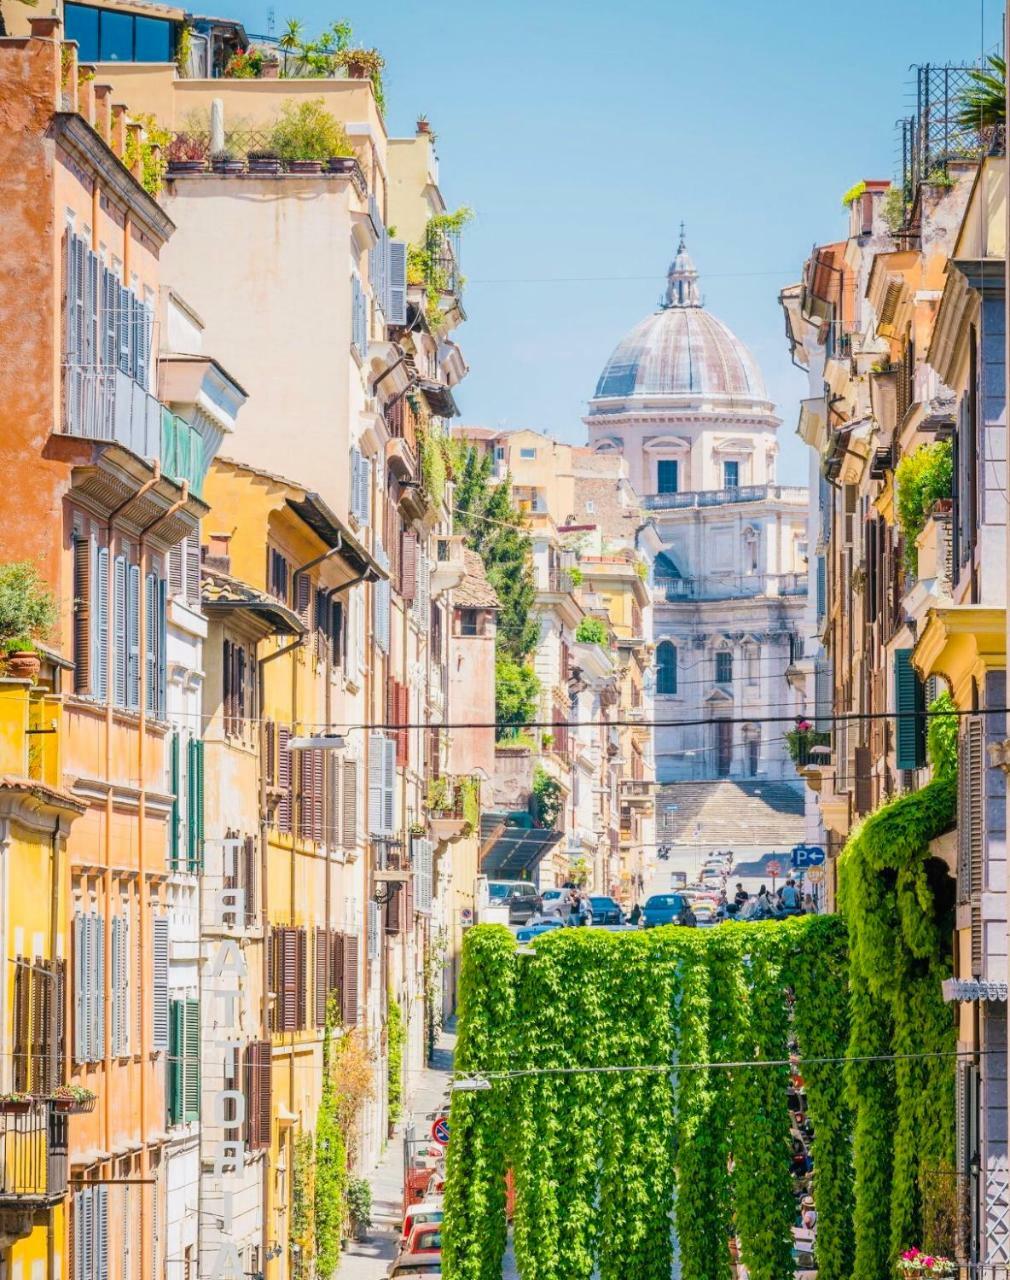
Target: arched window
column 666, row 668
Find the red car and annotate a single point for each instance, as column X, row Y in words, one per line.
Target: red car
column 426, row 1237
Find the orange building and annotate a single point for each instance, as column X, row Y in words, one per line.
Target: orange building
column 91, row 497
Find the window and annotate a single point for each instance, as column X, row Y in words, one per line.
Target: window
column 499, row 453
column 666, row 668
column 724, row 667
column 752, row 737
column 469, row 622
column 90, row 1230
column 239, row 875
column 666, row 475
column 38, row 1047
column 359, row 316
column 527, row 455
column 910, row 703
column 159, row 993
column 424, row 852
column 238, row 687
column 256, row 1081
column 590, row 507
column 360, row 497
column 327, row 969
column 731, row 475
column 121, row 983
column 277, row 575
column 89, row 987
column 382, row 783
column 723, row 747
column 381, row 605
column 104, row 35
column 184, row 1062
column 287, row 961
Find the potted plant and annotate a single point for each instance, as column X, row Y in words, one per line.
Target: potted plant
column 361, row 64
column 915, row 1263
column 73, row 1099
column 423, row 125
column 15, row 1103
column 307, row 136
column 359, row 1207
column 187, row 153
column 244, row 64
column 226, row 161
column 265, row 161
column 27, row 615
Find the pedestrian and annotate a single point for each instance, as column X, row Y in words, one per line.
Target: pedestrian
column 636, row 914
column 587, row 909
column 809, row 1213
column 741, row 895
column 809, row 906
column 789, row 897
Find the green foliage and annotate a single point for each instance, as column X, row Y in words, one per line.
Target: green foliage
column 983, row 102
column 27, row 607
column 307, row 131
column 331, row 1159
column 469, row 794
column 183, row 46
column 898, row 904
column 592, row 631
column 799, row 742
column 853, row 194
column 576, row 575
column 303, row 1205
column 429, row 263
column 152, row 150
column 921, row 478
column 599, row 1160
column 516, row 690
column 893, row 210
column 548, row 798
column 434, row 464
column 359, row 1202
column 313, row 58
column 395, row 1036
column 941, row 736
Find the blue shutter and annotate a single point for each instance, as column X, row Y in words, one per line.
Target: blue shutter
column 81, row 1025
column 910, row 704
column 123, row 329
column 396, row 312
column 117, row 987
column 101, row 1195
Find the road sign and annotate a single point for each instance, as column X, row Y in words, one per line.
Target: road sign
column 773, row 868
column 807, row 855
column 440, row 1131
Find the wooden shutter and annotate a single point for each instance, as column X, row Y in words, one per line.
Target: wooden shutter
column 320, row 975
column 349, row 992
column 97, row 954
column 402, row 717
column 22, row 1029
column 119, row 647
column 81, row 1028
column 349, row 807
column 161, row 666
column 301, row 977
column 337, row 647
column 303, row 596
column 117, row 987
column 287, row 996
column 273, row 978
column 910, row 703
column 176, row 1054
column 376, row 775
column 408, row 567
column 57, row 1023
column 151, row 641
column 100, row 687
column 257, row 1086
column 863, row 781
column 191, row 1060
column 975, row 760
column 394, row 909
column 177, row 569
column 101, row 1195
column 337, row 967
column 249, row 879
column 159, row 994
column 284, row 779
column 82, row 614
column 318, row 764
column 270, row 753
column 388, row 786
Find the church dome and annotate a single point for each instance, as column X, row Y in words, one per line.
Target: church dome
column 681, row 352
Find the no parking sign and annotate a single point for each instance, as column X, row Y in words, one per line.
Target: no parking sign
column 440, row 1131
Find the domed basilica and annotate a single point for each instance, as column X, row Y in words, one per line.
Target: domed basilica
column 683, row 400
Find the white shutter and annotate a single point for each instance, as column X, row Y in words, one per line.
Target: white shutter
column 191, row 589
column 101, row 685
column 376, row 777
column 349, row 806
column 119, row 646
column 102, row 1232
column 77, row 1205
column 117, row 988
column 133, row 637
column 373, row 929
column 160, row 982
column 88, row 1233
column 380, row 601
column 97, row 987
column 396, row 312
column 81, row 1026
column 422, row 875
column 151, row 638
column 388, row 786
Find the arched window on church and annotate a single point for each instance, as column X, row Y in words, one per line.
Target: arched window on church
column 666, row 668
column 752, row 744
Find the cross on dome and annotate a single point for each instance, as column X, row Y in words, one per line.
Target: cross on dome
column 682, row 279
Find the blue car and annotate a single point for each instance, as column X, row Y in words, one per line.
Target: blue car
column 667, row 908
column 531, row 931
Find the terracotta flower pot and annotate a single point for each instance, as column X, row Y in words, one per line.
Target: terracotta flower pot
column 264, row 164
column 24, row 664
column 11, row 1108
column 186, row 166
column 305, row 166
column 357, row 70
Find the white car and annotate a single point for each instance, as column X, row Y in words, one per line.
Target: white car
column 556, row 902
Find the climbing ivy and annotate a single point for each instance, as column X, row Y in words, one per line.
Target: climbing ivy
column 331, row 1160
column 303, row 1205
column 394, row 1042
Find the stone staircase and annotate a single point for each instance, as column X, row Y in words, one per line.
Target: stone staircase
column 724, row 812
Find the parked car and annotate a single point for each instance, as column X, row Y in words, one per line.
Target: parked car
column 419, row 1215
column 416, row 1264
column 666, row 908
column 606, row 910
column 530, row 931
column 556, row 902
column 426, row 1237
column 519, row 896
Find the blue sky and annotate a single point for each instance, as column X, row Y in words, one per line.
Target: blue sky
column 582, row 133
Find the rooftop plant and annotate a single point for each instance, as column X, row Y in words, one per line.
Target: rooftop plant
column 983, row 102
column 516, row 691
column 921, row 478
column 853, row 194
column 244, row 64
column 307, row 131
column 428, row 262
column 893, row 211
column 152, row 148
column 27, row 607
column 592, row 631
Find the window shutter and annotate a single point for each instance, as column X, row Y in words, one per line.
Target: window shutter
column 249, row 879
column 376, row 783
column 133, row 637
column 227, row 684
column 101, row 685
column 403, row 718
column 174, row 840
column 408, row 568
column 159, row 997
column 196, row 808
column 349, row 807
column 175, row 1066
column 117, row 988
column 151, row 638
column 373, row 929
column 193, row 566
column 257, row 1090
column 422, row 875
column 191, row 1088
column 82, row 614
column 176, row 569
column 301, row 977
column 162, row 663
column 380, row 602
column 394, row 909
column 88, row 1241
column 288, row 994
column 98, row 988
column 349, row 993
column 102, row 1232
column 303, row 597
column 321, row 975
column 389, row 786
column 396, row 313
column 269, row 750
column 81, row 1027
column 318, row 763
column 334, row 782
column 863, row 781
column 337, row 633
column 974, row 733
column 284, row 779
column 910, row 703
column 119, row 649
column 337, row 967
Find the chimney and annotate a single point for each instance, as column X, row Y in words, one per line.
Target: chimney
column 118, row 139
column 135, row 131
column 86, row 91
column 217, row 554
column 68, row 65
column 103, row 111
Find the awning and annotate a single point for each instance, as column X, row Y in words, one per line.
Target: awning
column 516, row 850
column 439, row 398
column 972, row 990
column 332, row 531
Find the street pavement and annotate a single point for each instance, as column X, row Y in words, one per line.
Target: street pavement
column 369, row 1260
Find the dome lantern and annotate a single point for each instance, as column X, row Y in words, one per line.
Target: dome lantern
column 682, row 279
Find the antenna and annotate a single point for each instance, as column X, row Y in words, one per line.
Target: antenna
column 271, row 21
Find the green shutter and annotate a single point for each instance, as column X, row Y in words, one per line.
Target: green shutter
column 194, row 844
column 191, row 1087
column 174, row 851
column 176, row 1055
column 910, row 704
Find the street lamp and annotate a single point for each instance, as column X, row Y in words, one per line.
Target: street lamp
column 471, row 1084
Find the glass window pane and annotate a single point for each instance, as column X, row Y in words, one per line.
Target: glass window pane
column 82, row 26
column 666, row 476
column 154, row 40
column 116, row 43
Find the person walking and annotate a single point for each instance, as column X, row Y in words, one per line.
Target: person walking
column 636, row 914
column 789, row 898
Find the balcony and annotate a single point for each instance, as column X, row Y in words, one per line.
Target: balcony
column 731, row 586
column 33, row 1167
column 401, row 451
column 559, row 582
column 637, row 793
column 449, row 568
column 453, row 805
column 721, row 497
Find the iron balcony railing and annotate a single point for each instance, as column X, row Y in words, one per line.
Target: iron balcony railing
column 33, row 1163
column 558, row 581
column 717, row 497
column 728, row 587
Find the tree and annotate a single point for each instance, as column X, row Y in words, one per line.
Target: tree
column 516, row 689
column 983, row 102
